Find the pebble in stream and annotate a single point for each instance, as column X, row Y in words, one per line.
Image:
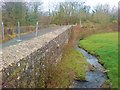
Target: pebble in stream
column 94, row 79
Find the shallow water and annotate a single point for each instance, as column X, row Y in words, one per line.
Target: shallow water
column 94, row 79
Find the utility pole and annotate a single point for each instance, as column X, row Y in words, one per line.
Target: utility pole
column 80, row 17
column 49, row 12
column 80, row 23
column 19, row 31
column 3, row 31
column 36, row 29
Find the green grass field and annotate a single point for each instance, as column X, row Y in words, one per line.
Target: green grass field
column 106, row 47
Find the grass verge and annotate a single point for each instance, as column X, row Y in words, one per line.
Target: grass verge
column 106, row 47
column 72, row 66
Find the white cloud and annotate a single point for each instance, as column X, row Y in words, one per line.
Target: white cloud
column 95, row 2
column 50, row 3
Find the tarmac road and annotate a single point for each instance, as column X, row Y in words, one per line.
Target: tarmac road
column 29, row 36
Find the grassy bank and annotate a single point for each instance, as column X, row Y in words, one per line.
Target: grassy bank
column 106, row 47
column 72, row 66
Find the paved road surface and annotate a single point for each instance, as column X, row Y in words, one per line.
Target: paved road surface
column 29, row 36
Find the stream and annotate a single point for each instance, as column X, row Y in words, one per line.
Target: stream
column 95, row 78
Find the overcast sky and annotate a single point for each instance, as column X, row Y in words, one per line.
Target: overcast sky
column 92, row 3
column 51, row 3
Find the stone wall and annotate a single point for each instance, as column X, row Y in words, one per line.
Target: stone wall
column 26, row 64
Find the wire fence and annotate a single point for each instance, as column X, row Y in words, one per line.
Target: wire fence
column 8, row 33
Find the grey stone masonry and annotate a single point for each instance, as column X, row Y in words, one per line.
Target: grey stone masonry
column 25, row 64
